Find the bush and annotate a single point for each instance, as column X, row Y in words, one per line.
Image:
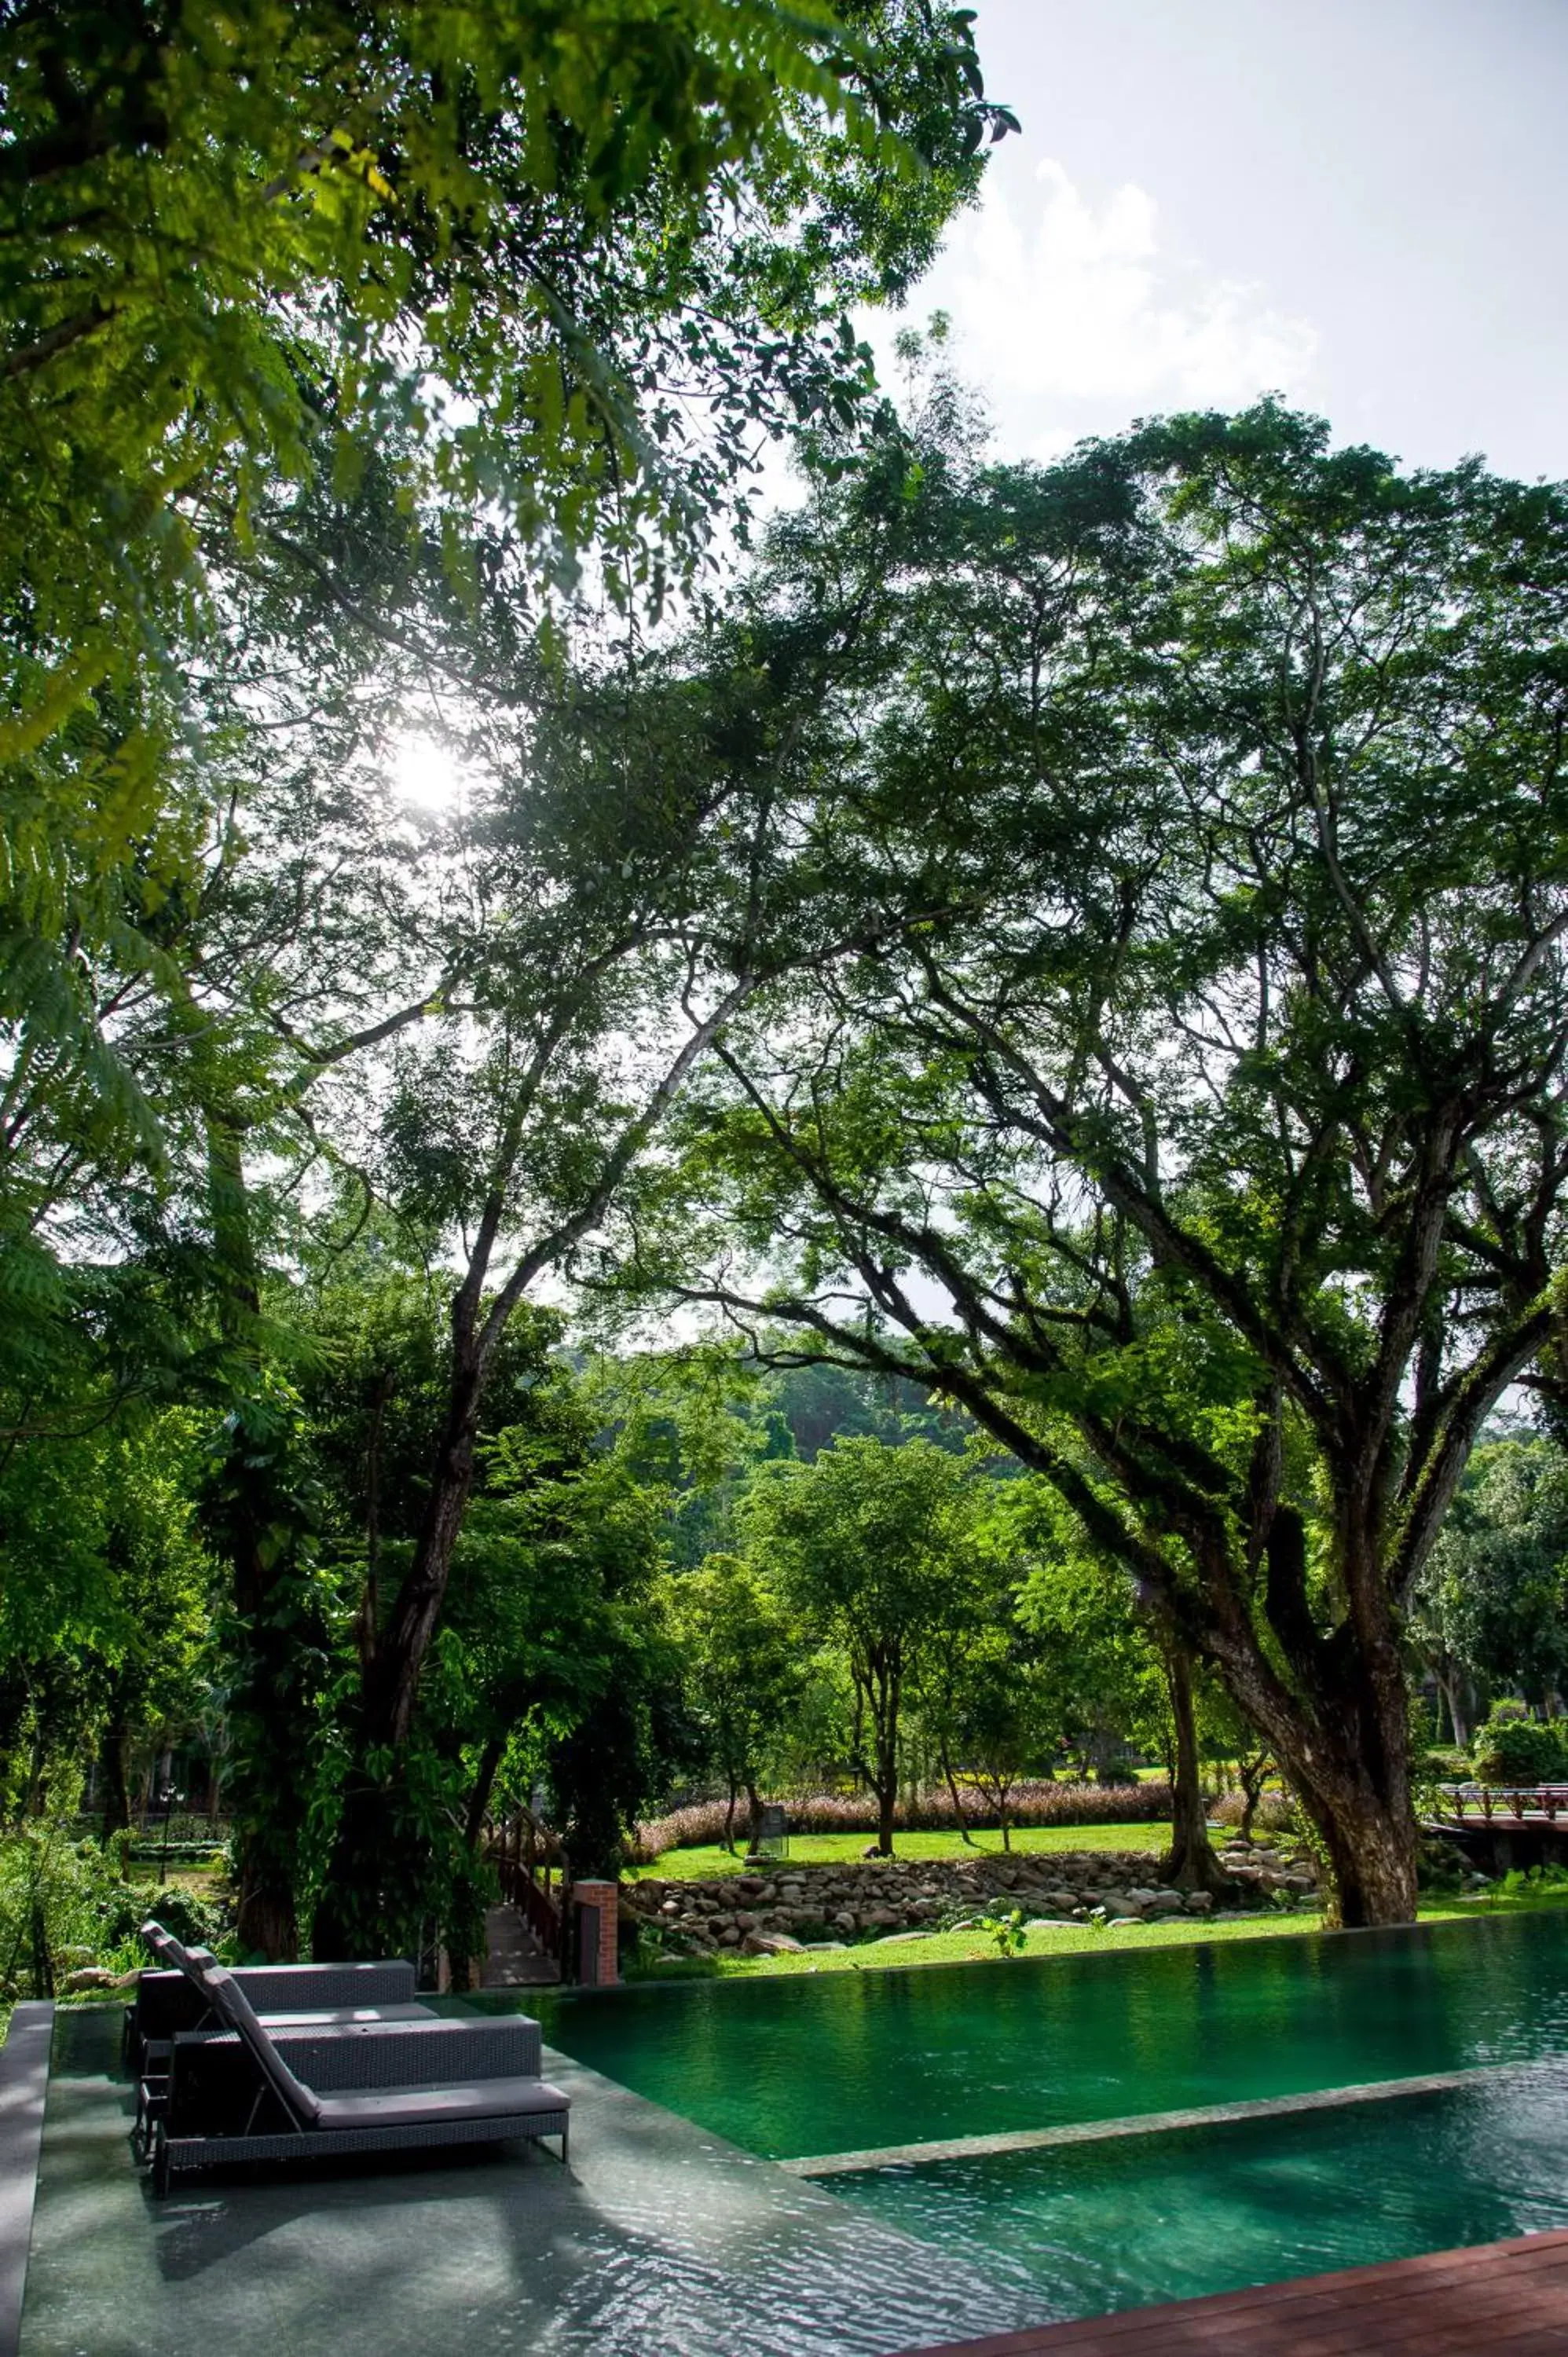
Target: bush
column 832, row 1812
column 64, row 1903
column 1512, row 1751
column 1276, row 1811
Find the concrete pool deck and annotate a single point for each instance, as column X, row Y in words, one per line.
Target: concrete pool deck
column 660, row 2241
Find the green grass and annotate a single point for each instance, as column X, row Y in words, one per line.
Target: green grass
column 970, row 1947
column 847, row 1849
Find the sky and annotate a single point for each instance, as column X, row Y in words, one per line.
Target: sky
column 1359, row 203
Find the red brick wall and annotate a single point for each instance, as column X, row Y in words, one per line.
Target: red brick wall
column 606, row 1897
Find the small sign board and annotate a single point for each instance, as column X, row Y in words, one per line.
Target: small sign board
column 771, row 1837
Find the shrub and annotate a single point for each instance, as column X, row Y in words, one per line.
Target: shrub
column 1276, row 1811
column 1511, row 1751
column 833, row 1813
column 59, row 1895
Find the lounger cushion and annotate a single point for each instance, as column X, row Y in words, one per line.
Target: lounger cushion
column 407, row 2107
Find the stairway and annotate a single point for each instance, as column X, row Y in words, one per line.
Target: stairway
column 513, row 1958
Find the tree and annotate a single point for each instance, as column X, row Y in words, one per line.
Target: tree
column 1214, row 1157
column 867, row 1544
column 554, row 272
column 741, row 1664
column 1490, row 1609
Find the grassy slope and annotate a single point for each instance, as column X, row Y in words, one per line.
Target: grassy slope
column 848, row 1849
column 968, row 1947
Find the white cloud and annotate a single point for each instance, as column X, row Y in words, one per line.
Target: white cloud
column 1078, row 317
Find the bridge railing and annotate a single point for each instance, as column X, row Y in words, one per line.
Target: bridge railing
column 1507, row 1803
column 534, row 1874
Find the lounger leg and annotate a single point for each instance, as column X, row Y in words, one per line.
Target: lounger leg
column 160, row 2162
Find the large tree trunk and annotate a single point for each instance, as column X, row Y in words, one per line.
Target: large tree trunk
column 886, row 1803
column 484, row 1786
column 1189, row 1863
column 1372, row 1855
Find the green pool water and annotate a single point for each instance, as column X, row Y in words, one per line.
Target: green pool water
column 1080, row 2231
column 842, row 2061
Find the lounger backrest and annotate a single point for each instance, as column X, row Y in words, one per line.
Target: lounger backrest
column 233, row 2006
column 167, row 1949
column 191, row 1961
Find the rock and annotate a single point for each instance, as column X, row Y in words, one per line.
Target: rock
column 771, row 1943
column 879, row 1918
column 845, row 1920
column 670, row 1907
column 895, row 1938
column 1050, row 1923
column 1199, row 1902
column 91, row 1977
column 826, row 1947
column 1123, row 1922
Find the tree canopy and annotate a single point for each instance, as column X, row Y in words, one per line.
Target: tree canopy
column 1213, row 1154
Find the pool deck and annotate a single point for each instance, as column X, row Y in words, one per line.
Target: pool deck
column 660, row 2241
column 1508, row 2296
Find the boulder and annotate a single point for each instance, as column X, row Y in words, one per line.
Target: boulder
column 91, row 1977
column 771, row 1943
column 1200, row 1902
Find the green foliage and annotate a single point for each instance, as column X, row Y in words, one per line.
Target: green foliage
column 66, row 1903
column 1491, row 1607
column 541, row 277
column 741, row 1661
column 1225, row 765
column 1006, row 1933
column 867, row 1545
column 1515, row 1750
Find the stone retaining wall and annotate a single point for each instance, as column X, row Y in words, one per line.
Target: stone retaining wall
column 812, row 1906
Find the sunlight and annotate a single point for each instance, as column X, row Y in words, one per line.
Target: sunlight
column 428, row 773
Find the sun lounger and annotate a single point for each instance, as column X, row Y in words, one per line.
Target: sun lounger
column 173, row 1999
column 282, row 2113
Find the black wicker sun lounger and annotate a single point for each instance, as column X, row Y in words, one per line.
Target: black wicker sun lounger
column 240, row 2097
column 323, row 1994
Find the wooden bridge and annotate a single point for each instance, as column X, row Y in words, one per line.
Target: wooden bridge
column 527, row 1940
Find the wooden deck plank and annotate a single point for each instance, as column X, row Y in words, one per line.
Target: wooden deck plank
column 1511, row 2297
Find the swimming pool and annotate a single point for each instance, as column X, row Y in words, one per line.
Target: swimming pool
column 844, row 2063
column 1136, row 2219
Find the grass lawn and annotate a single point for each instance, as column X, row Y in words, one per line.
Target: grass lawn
column 970, row 1947
column 848, row 1849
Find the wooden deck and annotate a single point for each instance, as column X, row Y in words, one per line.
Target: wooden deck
column 1511, row 2296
